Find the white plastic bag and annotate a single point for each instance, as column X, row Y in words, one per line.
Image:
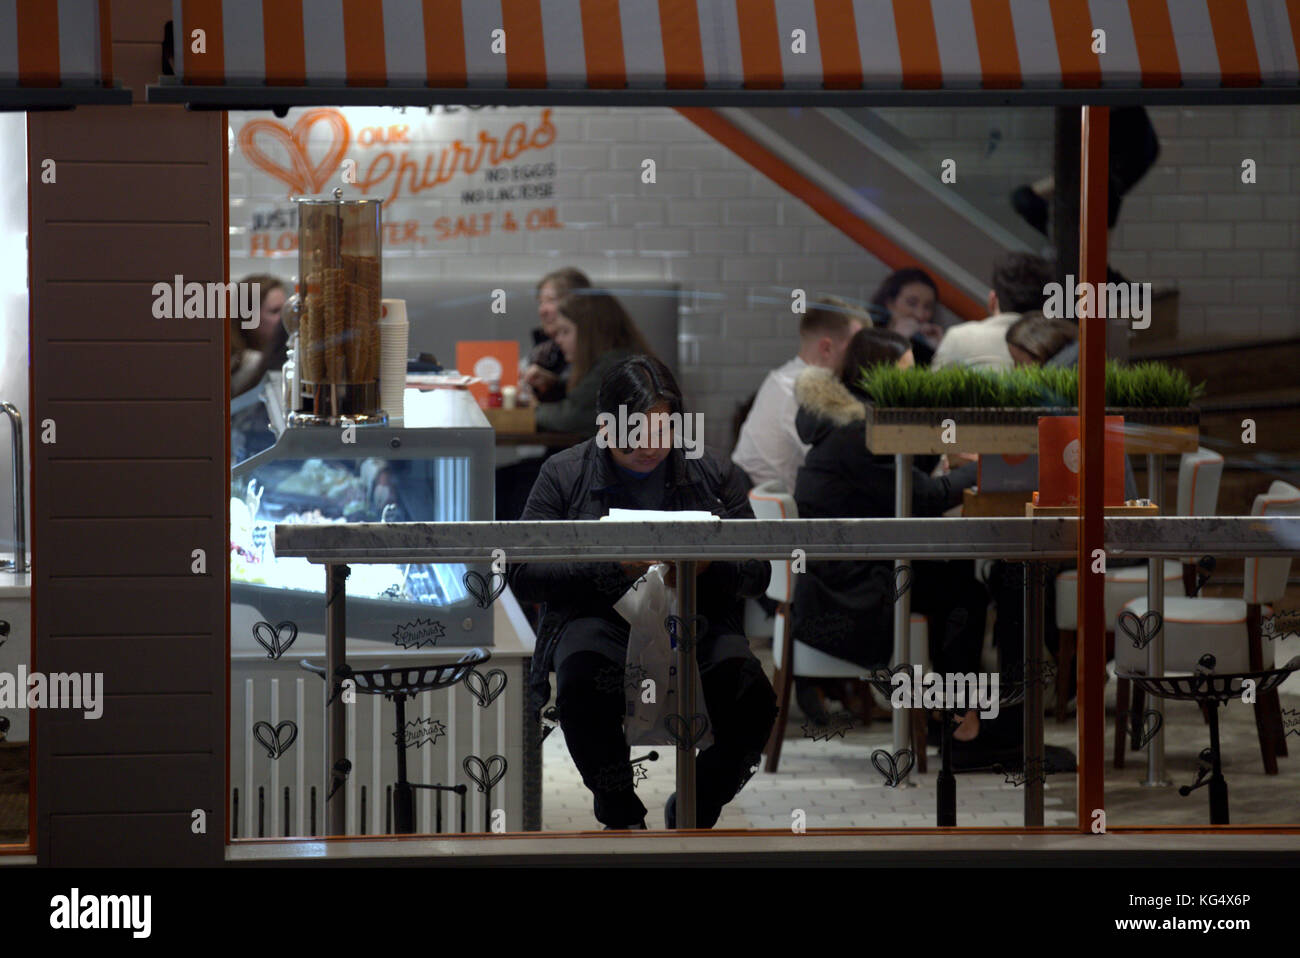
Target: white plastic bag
column 652, row 665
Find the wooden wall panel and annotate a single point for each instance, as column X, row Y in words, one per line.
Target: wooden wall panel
column 135, row 481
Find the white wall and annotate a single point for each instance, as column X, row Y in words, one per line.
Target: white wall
column 13, row 306
column 735, row 242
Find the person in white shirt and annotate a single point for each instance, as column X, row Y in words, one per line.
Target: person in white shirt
column 769, row 447
column 1018, row 281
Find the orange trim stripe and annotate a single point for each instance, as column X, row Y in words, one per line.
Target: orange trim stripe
column 444, row 44
column 1235, row 42
column 210, row 66
column 679, row 23
column 995, row 35
column 525, row 49
column 760, row 45
column 1072, row 22
column 363, row 43
column 106, row 42
column 1154, row 34
column 837, row 32
column 1293, row 11
column 918, row 45
column 38, row 43
column 602, row 44
column 282, row 41
column 825, row 205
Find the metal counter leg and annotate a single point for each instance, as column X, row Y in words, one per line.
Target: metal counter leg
column 687, row 672
column 336, row 727
column 1156, row 649
column 903, row 605
column 1033, row 704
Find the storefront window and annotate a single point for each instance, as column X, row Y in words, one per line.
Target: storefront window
column 745, row 246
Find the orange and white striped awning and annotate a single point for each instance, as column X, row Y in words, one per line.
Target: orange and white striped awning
column 752, row 44
column 53, row 43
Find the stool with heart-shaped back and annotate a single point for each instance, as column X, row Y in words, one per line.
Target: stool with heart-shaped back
column 1212, row 689
column 946, row 783
column 397, row 685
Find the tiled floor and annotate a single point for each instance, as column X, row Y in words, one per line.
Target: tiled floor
column 835, row 785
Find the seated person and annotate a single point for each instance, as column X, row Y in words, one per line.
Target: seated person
column 582, row 637
column 767, row 445
column 1036, row 340
column 846, row 608
column 1018, row 283
column 905, row 304
column 547, row 366
column 595, row 334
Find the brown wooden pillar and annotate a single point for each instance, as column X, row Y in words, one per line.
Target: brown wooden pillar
column 134, row 483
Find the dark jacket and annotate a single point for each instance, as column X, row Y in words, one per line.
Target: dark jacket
column 842, row 478
column 576, row 412
column 582, row 483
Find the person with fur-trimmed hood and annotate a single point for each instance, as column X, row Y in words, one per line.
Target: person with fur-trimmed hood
column 845, row 608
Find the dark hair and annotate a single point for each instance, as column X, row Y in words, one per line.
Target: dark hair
column 831, row 316
column 603, row 324
column 893, row 285
column 638, row 384
column 1018, row 281
column 277, row 349
column 565, row 280
column 871, row 347
column 1040, row 337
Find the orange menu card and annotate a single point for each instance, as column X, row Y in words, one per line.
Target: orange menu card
column 1058, row 461
column 488, row 359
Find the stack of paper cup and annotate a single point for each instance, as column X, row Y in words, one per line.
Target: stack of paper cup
column 394, row 333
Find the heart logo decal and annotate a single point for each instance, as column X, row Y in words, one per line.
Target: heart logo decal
column 274, row 739
column 485, row 688
column 272, row 637
column 902, row 581
column 893, row 768
column 686, row 734
column 683, row 633
column 484, row 589
column 1142, row 630
column 1151, row 723
column 485, row 774
column 300, row 176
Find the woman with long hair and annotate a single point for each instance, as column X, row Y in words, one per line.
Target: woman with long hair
column 846, row 608
column 253, row 352
column 595, row 333
column 905, row 304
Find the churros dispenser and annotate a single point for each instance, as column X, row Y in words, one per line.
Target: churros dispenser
column 337, row 357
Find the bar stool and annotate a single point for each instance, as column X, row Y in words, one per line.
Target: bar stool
column 397, row 685
column 1199, row 475
column 1194, row 627
column 794, row 658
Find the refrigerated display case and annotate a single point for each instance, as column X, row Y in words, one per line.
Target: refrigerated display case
column 437, row 468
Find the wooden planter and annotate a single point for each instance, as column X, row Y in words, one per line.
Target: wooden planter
column 1014, row 431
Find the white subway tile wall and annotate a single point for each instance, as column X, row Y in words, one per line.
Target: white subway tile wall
column 709, row 222
column 713, row 224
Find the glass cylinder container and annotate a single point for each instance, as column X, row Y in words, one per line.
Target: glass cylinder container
column 337, row 359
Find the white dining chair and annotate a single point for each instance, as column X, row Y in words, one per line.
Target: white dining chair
column 793, row 658
column 1199, row 475
column 1229, row 629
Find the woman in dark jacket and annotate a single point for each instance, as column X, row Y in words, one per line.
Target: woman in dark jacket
column 846, row 608
column 585, row 641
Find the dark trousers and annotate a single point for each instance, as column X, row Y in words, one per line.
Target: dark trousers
column 742, row 710
column 955, row 605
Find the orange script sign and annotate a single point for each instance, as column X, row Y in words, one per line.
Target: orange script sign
column 388, row 170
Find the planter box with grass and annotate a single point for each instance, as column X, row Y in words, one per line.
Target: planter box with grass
column 998, row 411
